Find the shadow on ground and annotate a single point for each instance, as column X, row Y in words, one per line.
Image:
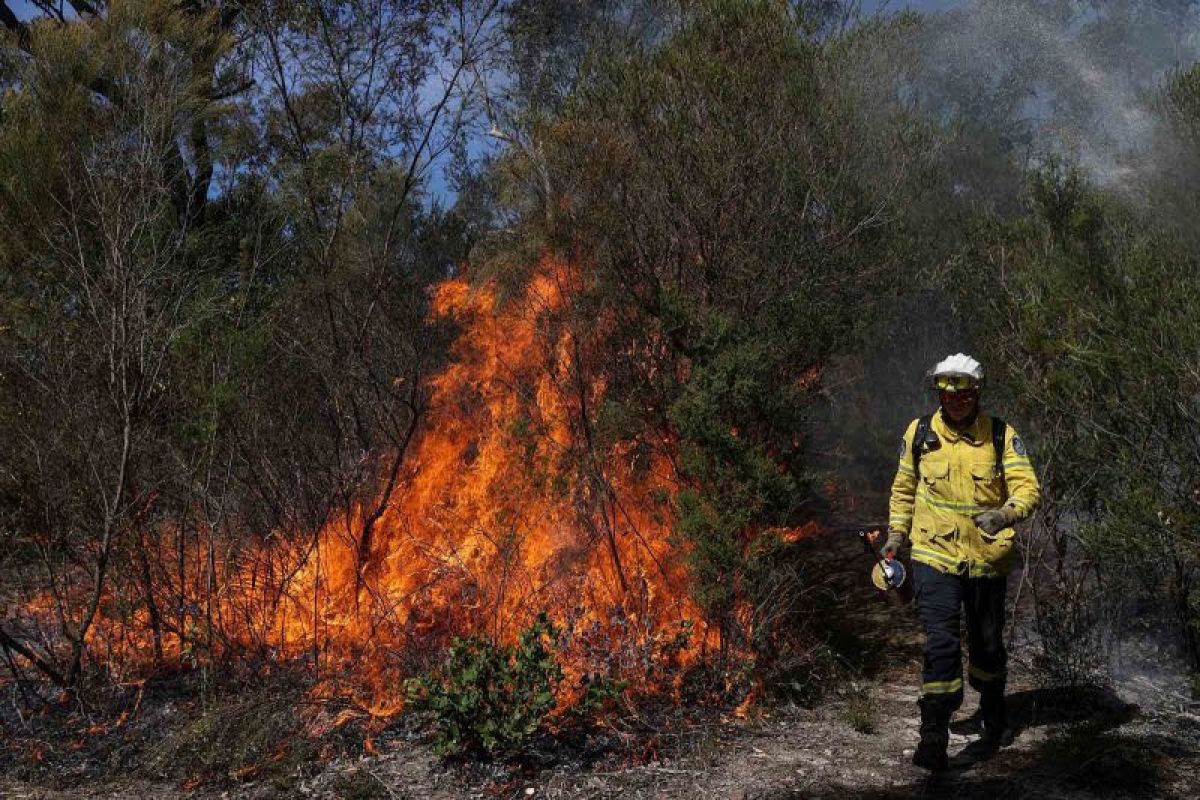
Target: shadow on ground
column 868, row 630
column 1087, row 755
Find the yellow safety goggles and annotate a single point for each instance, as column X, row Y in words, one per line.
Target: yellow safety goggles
column 954, row 383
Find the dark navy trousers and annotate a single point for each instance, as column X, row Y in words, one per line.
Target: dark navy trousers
column 939, row 598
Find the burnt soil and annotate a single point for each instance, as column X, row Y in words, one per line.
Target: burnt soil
column 1138, row 737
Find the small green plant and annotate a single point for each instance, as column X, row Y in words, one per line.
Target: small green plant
column 599, row 692
column 358, row 784
column 859, row 711
column 488, row 699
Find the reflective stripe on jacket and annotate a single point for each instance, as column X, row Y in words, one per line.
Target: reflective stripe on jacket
column 958, row 480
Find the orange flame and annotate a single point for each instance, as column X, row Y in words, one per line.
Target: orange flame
column 512, row 502
column 510, row 505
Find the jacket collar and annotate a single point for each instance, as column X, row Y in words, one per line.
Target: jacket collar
column 976, row 433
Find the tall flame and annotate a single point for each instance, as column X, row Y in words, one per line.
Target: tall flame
column 514, row 500
column 509, row 505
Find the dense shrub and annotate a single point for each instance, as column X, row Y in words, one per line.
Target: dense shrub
column 487, row 699
column 1092, row 320
column 734, row 219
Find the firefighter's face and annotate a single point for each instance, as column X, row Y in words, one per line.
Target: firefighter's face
column 960, row 405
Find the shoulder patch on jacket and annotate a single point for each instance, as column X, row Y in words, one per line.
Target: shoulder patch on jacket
column 1018, row 445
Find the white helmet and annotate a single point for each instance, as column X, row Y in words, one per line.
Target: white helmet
column 959, row 365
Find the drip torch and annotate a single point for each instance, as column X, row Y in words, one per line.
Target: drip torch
column 887, row 574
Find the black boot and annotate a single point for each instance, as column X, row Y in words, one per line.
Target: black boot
column 935, row 734
column 993, row 712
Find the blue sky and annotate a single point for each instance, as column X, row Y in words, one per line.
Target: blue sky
column 24, row 9
column 438, row 186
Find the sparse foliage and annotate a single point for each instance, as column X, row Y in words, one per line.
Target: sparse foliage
column 1093, row 319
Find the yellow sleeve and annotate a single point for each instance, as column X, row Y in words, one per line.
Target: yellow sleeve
column 1023, row 489
column 904, row 487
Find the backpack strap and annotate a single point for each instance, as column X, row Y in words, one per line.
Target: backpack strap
column 918, row 438
column 999, row 427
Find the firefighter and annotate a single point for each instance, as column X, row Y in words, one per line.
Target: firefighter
column 963, row 480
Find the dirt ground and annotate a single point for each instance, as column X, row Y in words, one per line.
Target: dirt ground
column 1113, row 750
column 1141, row 738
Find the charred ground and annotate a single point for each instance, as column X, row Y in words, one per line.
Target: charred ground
column 1137, row 738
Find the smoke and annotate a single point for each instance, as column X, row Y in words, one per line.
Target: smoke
column 869, row 397
column 1075, row 80
column 1013, row 83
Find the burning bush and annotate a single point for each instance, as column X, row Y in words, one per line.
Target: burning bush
column 299, row 471
column 730, row 232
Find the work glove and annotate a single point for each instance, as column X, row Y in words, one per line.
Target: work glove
column 891, row 548
column 995, row 520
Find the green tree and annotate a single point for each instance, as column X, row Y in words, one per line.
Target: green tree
column 734, row 215
column 1093, row 322
column 101, row 287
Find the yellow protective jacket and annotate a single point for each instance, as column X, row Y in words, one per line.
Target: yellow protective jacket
column 958, row 480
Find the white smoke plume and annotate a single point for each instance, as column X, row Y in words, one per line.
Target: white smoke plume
column 1079, row 80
